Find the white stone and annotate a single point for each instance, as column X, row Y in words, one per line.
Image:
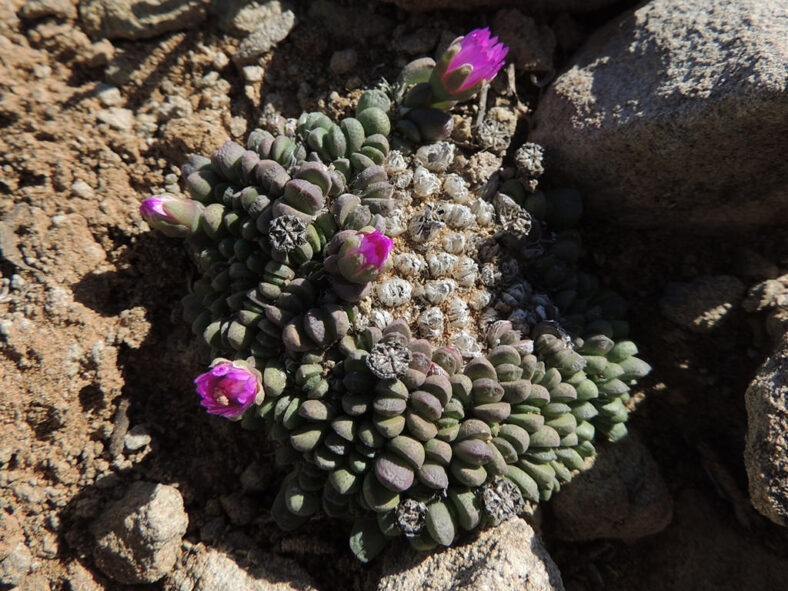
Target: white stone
column 117, row 117
column 108, row 95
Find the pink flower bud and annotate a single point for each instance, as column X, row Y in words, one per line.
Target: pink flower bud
column 172, row 215
column 466, row 65
column 229, row 388
column 364, row 256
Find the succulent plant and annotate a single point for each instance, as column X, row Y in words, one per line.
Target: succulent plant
column 423, row 349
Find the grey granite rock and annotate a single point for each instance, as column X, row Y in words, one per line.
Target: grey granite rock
column 510, row 556
column 267, row 34
column 241, row 17
column 348, row 22
column 139, row 19
column 211, row 570
column 15, row 566
column 622, row 495
column 766, row 451
column 702, row 305
column 677, row 113
column 138, row 538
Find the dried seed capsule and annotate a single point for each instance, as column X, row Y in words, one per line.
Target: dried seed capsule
column 410, row 516
column 286, row 233
column 502, row 499
column 388, row 359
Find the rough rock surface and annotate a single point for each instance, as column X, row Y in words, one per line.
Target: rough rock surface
column 531, row 46
column 702, row 305
column 241, row 17
column 766, row 452
column 622, row 495
column 15, row 557
column 211, row 570
column 528, row 5
column 509, row 556
column 264, row 37
column 139, row 537
column 138, row 19
column 676, row 113
column 34, row 9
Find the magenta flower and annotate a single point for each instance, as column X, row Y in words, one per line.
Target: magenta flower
column 364, row 255
column 174, row 216
column 229, row 388
column 466, row 65
column 375, row 248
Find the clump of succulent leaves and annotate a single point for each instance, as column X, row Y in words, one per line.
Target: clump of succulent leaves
column 422, row 347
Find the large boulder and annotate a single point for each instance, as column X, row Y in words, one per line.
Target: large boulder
column 138, row 538
column 139, row 19
column 621, row 495
column 766, row 452
column 510, row 556
column 677, row 113
column 211, row 570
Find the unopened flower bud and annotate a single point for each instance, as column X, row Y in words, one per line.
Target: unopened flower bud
column 229, row 388
column 465, row 66
column 174, row 216
column 364, row 256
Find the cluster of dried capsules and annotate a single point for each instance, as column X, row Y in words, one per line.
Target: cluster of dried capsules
column 328, row 268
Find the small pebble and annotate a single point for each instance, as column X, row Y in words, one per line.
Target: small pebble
column 137, row 438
